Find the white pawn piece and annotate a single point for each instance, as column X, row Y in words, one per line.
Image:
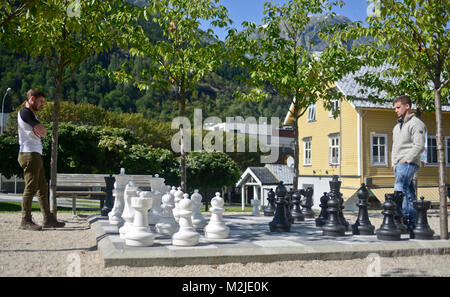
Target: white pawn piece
column 216, row 227
column 140, row 233
column 186, row 236
column 255, row 203
column 155, row 213
column 167, row 224
column 131, row 190
column 178, row 196
column 115, row 215
column 198, row 221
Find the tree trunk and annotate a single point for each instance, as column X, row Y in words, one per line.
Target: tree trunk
column 441, row 162
column 54, row 151
column 296, row 154
column 182, row 148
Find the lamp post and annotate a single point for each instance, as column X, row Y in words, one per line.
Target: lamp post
column 3, row 105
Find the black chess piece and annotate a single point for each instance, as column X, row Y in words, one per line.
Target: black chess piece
column 109, row 200
column 288, row 204
column 296, row 212
column 321, row 220
column 341, row 211
column 269, row 211
column 307, row 202
column 388, row 229
column 422, row 230
column 333, row 225
column 398, row 216
column 362, row 225
column 280, row 222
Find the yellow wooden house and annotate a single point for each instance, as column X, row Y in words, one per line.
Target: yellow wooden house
column 356, row 146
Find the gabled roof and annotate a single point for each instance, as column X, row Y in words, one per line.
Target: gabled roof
column 271, row 174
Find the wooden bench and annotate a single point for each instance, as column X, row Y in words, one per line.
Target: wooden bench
column 90, row 185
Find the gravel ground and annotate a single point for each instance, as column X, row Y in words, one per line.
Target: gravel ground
column 55, row 252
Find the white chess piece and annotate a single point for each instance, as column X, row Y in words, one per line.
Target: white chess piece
column 167, row 224
column 255, row 203
column 186, row 236
column 131, row 190
column 198, row 221
column 115, row 215
column 140, row 233
column 216, row 227
column 178, row 196
column 155, row 213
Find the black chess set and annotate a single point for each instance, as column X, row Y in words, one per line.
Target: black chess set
column 292, row 207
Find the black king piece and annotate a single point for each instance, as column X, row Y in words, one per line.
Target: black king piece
column 333, row 225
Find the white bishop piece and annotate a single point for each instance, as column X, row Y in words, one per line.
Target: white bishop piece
column 198, row 221
column 115, row 215
column 167, row 224
column 140, row 233
column 216, row 227
column 131, row 190
column 186, row 236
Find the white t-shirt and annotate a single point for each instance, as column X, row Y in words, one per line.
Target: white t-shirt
column 29, row 140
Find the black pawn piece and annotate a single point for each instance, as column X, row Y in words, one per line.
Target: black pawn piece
column 321, row 220
column 333, row 226
column 307, row 203
column 388, row 229
column 280, row 222
column 269, row 211
column 398, row 216
column 362, row 225
column 296, row 212
column 422, row 230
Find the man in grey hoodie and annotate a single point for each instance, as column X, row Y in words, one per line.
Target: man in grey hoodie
column 407, row 146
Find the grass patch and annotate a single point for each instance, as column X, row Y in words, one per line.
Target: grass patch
column 17, row 207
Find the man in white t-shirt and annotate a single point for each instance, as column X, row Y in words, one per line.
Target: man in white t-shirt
column 30, row 159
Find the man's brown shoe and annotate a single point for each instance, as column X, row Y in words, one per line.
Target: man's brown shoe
column 28, row 224
column 50, row 222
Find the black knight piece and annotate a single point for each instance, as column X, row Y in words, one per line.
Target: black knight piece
column 321, row 220
column 269, row 211
column 388, row 229
column 280, row 222
column 362, row 225
column 307, row 202
column 296, row 212
column 333, row 226
column 108, row 205
column 422, row 230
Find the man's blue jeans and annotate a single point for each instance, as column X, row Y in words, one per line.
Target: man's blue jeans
column 404, row 173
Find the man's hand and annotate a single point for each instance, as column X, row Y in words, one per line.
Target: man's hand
column 40, row 131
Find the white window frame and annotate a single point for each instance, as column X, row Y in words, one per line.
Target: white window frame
column 372, row 159
column 333, row 145
column 336, row 106
column 306, row 141
column 312, row 113
column 428, row 148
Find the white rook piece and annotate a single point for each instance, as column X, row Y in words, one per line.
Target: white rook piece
column 115, row 215
column 140, row 233
column 255, row 203
column 167, row 224
column 186, row 236
column 198, row 221
column 216, row 227
column 131, row 191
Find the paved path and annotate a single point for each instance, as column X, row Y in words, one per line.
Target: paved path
column 251, row 241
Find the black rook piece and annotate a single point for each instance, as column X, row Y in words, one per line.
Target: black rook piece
column 422, row 229
column 362, row 225
column 321, row 220
column 333, row 226
column 280, row 222
column 270, row 209
column 398, row 216
column 388, row 229
column 307, row 203
column 108, row 205
column 296, row 212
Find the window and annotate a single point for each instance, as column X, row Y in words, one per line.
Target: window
column 307, row 152
column 334, row 149
column 312, row 113
column 431, row 151
column 447, row 146
column 334, row 108
column 378, row 150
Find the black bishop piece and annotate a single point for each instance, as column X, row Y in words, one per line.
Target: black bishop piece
column 362, row 225
column 333, row 225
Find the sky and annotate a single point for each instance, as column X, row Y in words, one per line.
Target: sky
column 252, row 10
